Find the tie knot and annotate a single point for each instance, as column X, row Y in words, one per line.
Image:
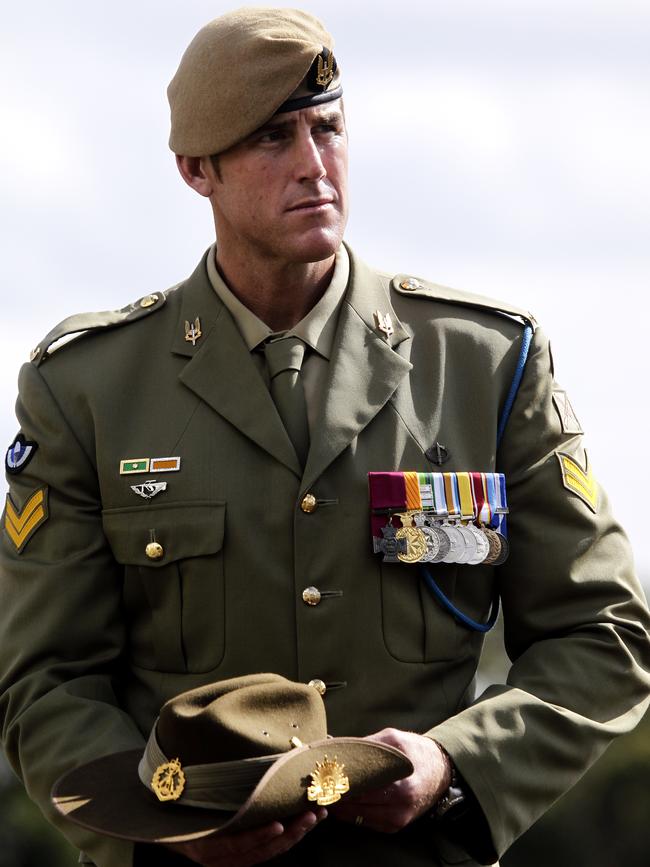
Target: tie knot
column 286, row 353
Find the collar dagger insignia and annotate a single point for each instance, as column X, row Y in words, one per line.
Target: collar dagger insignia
column 384, row 324
column 193, row 331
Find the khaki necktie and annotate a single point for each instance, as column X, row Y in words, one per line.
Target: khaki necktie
column 284, row 359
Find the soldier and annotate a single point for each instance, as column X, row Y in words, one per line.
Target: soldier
column 189, row 502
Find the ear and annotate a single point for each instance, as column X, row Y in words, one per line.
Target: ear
column 198, row 173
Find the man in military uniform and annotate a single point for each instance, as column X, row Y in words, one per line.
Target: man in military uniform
column 189, row 502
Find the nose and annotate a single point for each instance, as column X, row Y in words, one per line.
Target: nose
column 309, row 161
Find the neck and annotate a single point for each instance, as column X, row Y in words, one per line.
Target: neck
column 280, row 294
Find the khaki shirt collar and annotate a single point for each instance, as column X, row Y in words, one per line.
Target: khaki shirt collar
column 316, row 329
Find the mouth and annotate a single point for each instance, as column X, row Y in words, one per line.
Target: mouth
column 312, row 205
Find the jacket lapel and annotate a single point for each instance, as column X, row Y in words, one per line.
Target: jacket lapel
column 221, row 371
column 365, row 370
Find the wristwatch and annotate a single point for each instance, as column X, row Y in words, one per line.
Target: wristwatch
column 460, row 818
column 454, row 796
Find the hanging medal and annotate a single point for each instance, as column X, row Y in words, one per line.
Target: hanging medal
column 389, row 545
column 501, row 509
column 416, row 543
column 484, row 510
column 453, row 496
column 496, row 495
column 468, row 509
column 439, row 517
column 440, row 541
column 387, row 495
column 426, row 491
column 442, row 512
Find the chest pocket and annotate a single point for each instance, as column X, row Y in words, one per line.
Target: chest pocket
column 416, row 628
column 174, row 603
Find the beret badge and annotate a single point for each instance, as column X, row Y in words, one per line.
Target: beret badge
column 322, row 71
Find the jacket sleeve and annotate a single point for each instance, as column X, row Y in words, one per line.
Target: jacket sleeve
column 62, row 633
column 576, row 626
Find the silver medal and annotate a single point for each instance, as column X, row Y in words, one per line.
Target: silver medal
column 433, row 541
column 482, row 545
column 456, row 542
column 443, row 541
column 469, row 550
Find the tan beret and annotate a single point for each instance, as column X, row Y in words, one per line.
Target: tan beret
column 243, row 67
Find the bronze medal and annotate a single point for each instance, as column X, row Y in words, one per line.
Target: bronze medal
column 389, row 546
column 495, row 546
column 505, row 550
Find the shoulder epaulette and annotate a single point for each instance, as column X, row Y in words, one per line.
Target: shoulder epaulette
column 84, row 322
column 407, row 285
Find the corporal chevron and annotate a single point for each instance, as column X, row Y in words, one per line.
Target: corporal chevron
column 21, row 525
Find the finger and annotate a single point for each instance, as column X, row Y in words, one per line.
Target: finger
column 376, row 796
column 293, row 834
column 384, row 818
column 245, row 841
column 370, row 813
column 222, row 846
column 392, row 737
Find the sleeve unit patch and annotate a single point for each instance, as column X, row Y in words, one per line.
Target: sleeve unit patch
column 578, row 481
column 21, row 525
column 568, row 418
column 19, row 454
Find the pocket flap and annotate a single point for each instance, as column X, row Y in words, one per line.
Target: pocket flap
column 182, row 530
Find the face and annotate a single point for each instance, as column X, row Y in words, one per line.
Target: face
column 281, row 194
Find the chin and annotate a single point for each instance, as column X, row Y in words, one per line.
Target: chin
column 317, row 246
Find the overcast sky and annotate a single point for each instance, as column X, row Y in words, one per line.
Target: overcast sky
column 498, row 146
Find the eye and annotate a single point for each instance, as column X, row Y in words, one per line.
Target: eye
column 271, row 136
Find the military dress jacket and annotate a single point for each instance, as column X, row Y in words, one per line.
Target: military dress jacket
column 95, row 635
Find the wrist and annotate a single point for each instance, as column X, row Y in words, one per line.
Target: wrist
column 451, row 790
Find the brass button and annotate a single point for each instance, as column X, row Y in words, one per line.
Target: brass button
column 311, row 595
column 148, row 300
column 309, row 504
column 154, row 550
column 318, row 685
column 410, row 285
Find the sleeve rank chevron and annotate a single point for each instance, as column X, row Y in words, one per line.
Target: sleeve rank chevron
column 579, row 481
column 21, row 525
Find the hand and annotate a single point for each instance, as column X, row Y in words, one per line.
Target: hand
column 249, row 847
column 392, row 808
